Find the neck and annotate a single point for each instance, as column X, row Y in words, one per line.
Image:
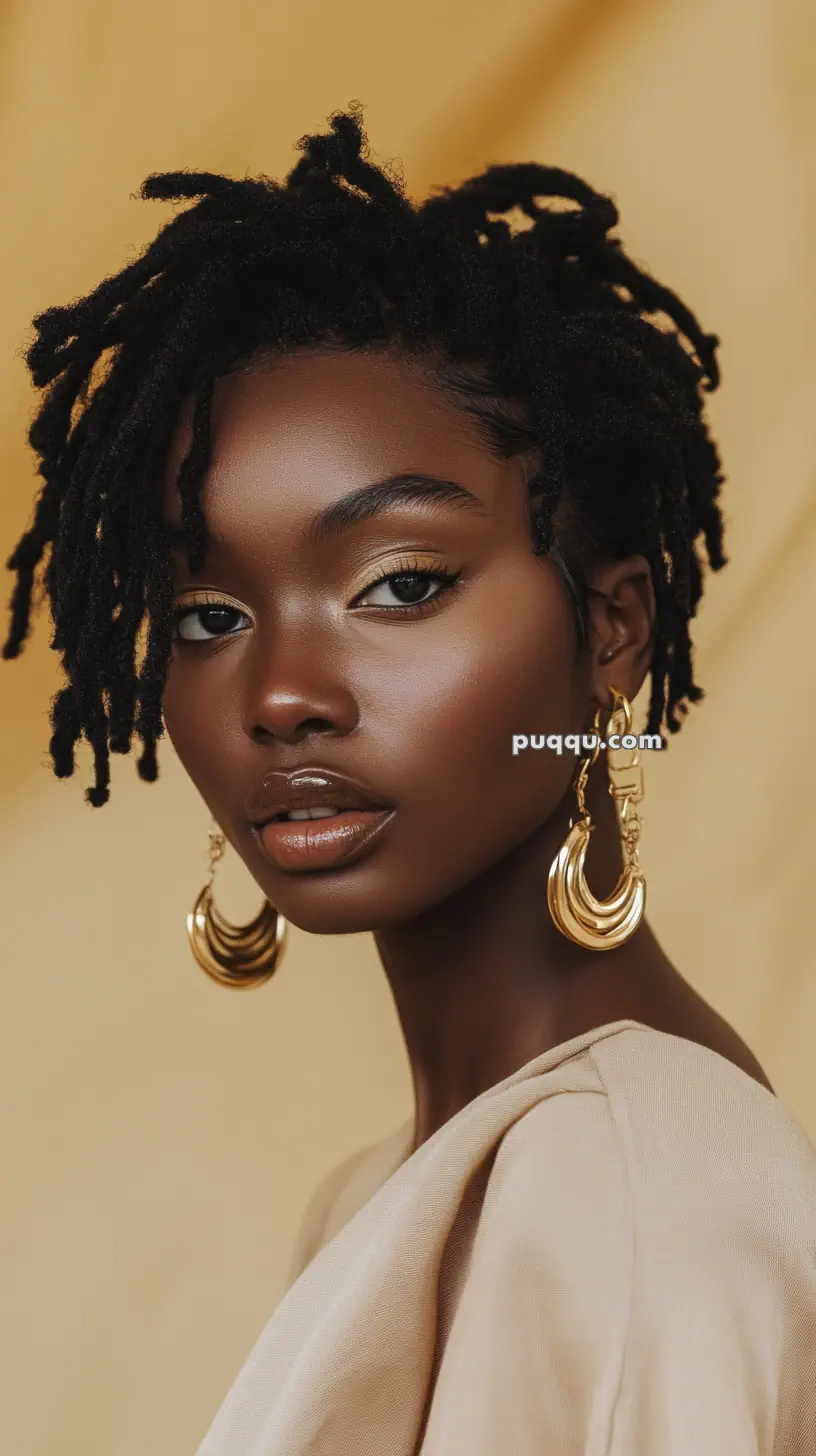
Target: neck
column 484, row 982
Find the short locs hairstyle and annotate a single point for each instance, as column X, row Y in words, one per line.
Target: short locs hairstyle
column 541, row 328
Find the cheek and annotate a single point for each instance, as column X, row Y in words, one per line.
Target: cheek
column 439, row 703
column 201, row 725
column 503, row 666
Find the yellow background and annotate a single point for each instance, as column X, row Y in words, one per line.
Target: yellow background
column 160, row 1135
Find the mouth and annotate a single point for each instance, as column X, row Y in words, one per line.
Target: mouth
column 298, row 816
column 305, row 840
column 315, row 819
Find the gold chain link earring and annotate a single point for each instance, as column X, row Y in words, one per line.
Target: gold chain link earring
column 591, row 923
column 234, row 955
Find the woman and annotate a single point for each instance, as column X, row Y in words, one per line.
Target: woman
column 393, row 488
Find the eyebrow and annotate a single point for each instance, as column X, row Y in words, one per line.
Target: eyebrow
column 383, row 495
column 362, row 504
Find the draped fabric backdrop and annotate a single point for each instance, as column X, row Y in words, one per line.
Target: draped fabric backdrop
column 160, row 1135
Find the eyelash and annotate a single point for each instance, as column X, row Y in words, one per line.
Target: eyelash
column 446, row 579
column 412, row 567
column 203, row 604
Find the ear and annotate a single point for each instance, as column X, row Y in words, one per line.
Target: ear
column 620, row 625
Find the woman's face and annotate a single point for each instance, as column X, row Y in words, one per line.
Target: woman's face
column 294, row 653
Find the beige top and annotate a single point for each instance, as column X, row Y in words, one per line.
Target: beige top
column 610, row 1253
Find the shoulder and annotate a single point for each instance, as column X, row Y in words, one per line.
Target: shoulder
column 310, row 1234
column 691, row 1124
column 651, row 1223
column 341, row 1192
column 667, row 1118
column 653, row 1161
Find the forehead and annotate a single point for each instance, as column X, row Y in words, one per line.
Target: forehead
column 300, row 432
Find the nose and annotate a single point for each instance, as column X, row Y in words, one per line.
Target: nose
column 298, row 692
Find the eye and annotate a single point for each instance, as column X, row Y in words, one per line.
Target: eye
column 206, row 621
column 411, row 588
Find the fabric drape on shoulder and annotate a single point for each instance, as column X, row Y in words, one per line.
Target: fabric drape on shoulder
column 342, row 1191
column 610, row 1253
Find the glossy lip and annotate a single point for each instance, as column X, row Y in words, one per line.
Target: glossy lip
column 303, row 846
column 309, row 788
column 309, row 846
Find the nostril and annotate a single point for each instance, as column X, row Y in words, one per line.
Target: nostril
column 293, row 731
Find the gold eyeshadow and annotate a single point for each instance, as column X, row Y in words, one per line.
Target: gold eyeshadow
column 206, row 597
column 408, row 562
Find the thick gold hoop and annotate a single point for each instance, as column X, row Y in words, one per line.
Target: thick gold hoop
column 578, row 914
column 241, row 956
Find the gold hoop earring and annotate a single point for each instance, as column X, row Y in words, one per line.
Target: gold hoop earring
column 234, row 955
column 591, row 923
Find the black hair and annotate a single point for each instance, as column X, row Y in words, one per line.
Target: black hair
column 558, row 346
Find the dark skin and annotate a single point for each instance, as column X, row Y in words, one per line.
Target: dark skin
column 318, row 663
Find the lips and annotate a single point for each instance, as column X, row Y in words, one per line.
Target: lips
column 280, row 794
column 357, row 819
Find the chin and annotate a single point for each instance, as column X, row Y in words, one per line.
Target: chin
column 334, row 920
column 342, row 904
